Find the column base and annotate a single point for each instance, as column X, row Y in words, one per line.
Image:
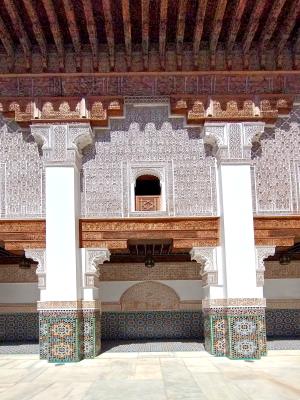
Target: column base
column 69, row 335
column 236, row 332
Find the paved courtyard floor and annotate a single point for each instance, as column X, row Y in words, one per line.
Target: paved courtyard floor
column 152, row 376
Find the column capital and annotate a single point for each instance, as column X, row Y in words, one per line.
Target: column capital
column 206, row 256
column 62, row 144
column 232, row 141
column 39, row 255
column 93, row 258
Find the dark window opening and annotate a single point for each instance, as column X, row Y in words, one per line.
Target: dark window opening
column 147, row 185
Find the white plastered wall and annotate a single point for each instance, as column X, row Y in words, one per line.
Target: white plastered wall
column 19, row 293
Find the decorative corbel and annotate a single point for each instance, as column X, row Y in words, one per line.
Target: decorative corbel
column 206, row 256
column 93, row 259
column 262, row 252
column 39, row 255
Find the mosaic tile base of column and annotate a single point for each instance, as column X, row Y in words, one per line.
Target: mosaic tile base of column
column 246, row 333
column 215, row 332
column 61, row 335
column 91, row 333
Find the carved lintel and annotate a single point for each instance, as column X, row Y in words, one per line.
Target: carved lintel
column 262, row 252
column 39, row 255
column 206, row 256
column 62, row 144
column 93, row 259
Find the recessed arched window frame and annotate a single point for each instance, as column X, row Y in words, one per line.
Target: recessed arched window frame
column 147, row 192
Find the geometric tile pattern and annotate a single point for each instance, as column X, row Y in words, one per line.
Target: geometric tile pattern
column 19, row 327
column 152, row 325
column 283, row 323
column 69, row 335
column 237, row 332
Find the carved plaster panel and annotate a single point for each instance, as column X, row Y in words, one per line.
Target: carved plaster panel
column 148, row 135
column 206, row 256
column 21, row 174
column 39, row 255
column 276, row 171
column 262, row 252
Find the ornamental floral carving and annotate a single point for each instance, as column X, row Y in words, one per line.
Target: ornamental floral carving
column 262, row 252
column 93, row 259
column 206, row 256
column 39, row 255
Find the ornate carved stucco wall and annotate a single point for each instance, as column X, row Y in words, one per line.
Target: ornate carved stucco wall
column 21, row 173
column 277, row 171
column 148, row 140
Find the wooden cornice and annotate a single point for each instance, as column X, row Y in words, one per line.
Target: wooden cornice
column 92, row 31
column 55, row 29
column 74, row 32
column 145, row 33
column 185, row 233
column 251, row 29
column 7, row 42
column 233, row 30
column 286, row 30
column 198, row 30
column 38, row 31
column 108, row 21
column 296, row 60
column 269, row 28
column 19, row 28
column 215, row 33
column 127, row 31
column 180, row 31
column 163, row 32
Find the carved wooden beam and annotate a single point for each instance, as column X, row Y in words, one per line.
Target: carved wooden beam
column 145, row 33
column 217, row 25
column 55, row 29
column 296, row 50
column 163, row 32
column 198, row 30
column 180, row 31
column 233, row 30
column 251, row 29
column 286, row 30
column 74, row 32
column 108, row 21
column 18, row 26
column 127, row 31
column 92, row 32
column 7, row 42
column 269, row 28
column 38, row 31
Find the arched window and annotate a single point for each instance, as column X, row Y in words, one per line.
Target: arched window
column 147, row 193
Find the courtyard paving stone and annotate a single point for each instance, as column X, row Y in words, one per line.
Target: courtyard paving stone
column 148, row 376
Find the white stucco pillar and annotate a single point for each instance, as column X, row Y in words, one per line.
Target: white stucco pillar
column 236, row 321
column 63, row 313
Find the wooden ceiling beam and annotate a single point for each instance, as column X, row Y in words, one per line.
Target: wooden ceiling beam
column 145, row 33
column 38, row 31
column 233, row 30
column 269, row 28
column 180, row 31
column 127, row 31
column 296, row 51
column 108, row 21
column 215, row 33
column 92, row 31
column 251, row 29
column 286, row 30
column 56, row 33
column 7, row 43
column 198, row 30
column 18, row 26
column 163, row 32
column 74, row 32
